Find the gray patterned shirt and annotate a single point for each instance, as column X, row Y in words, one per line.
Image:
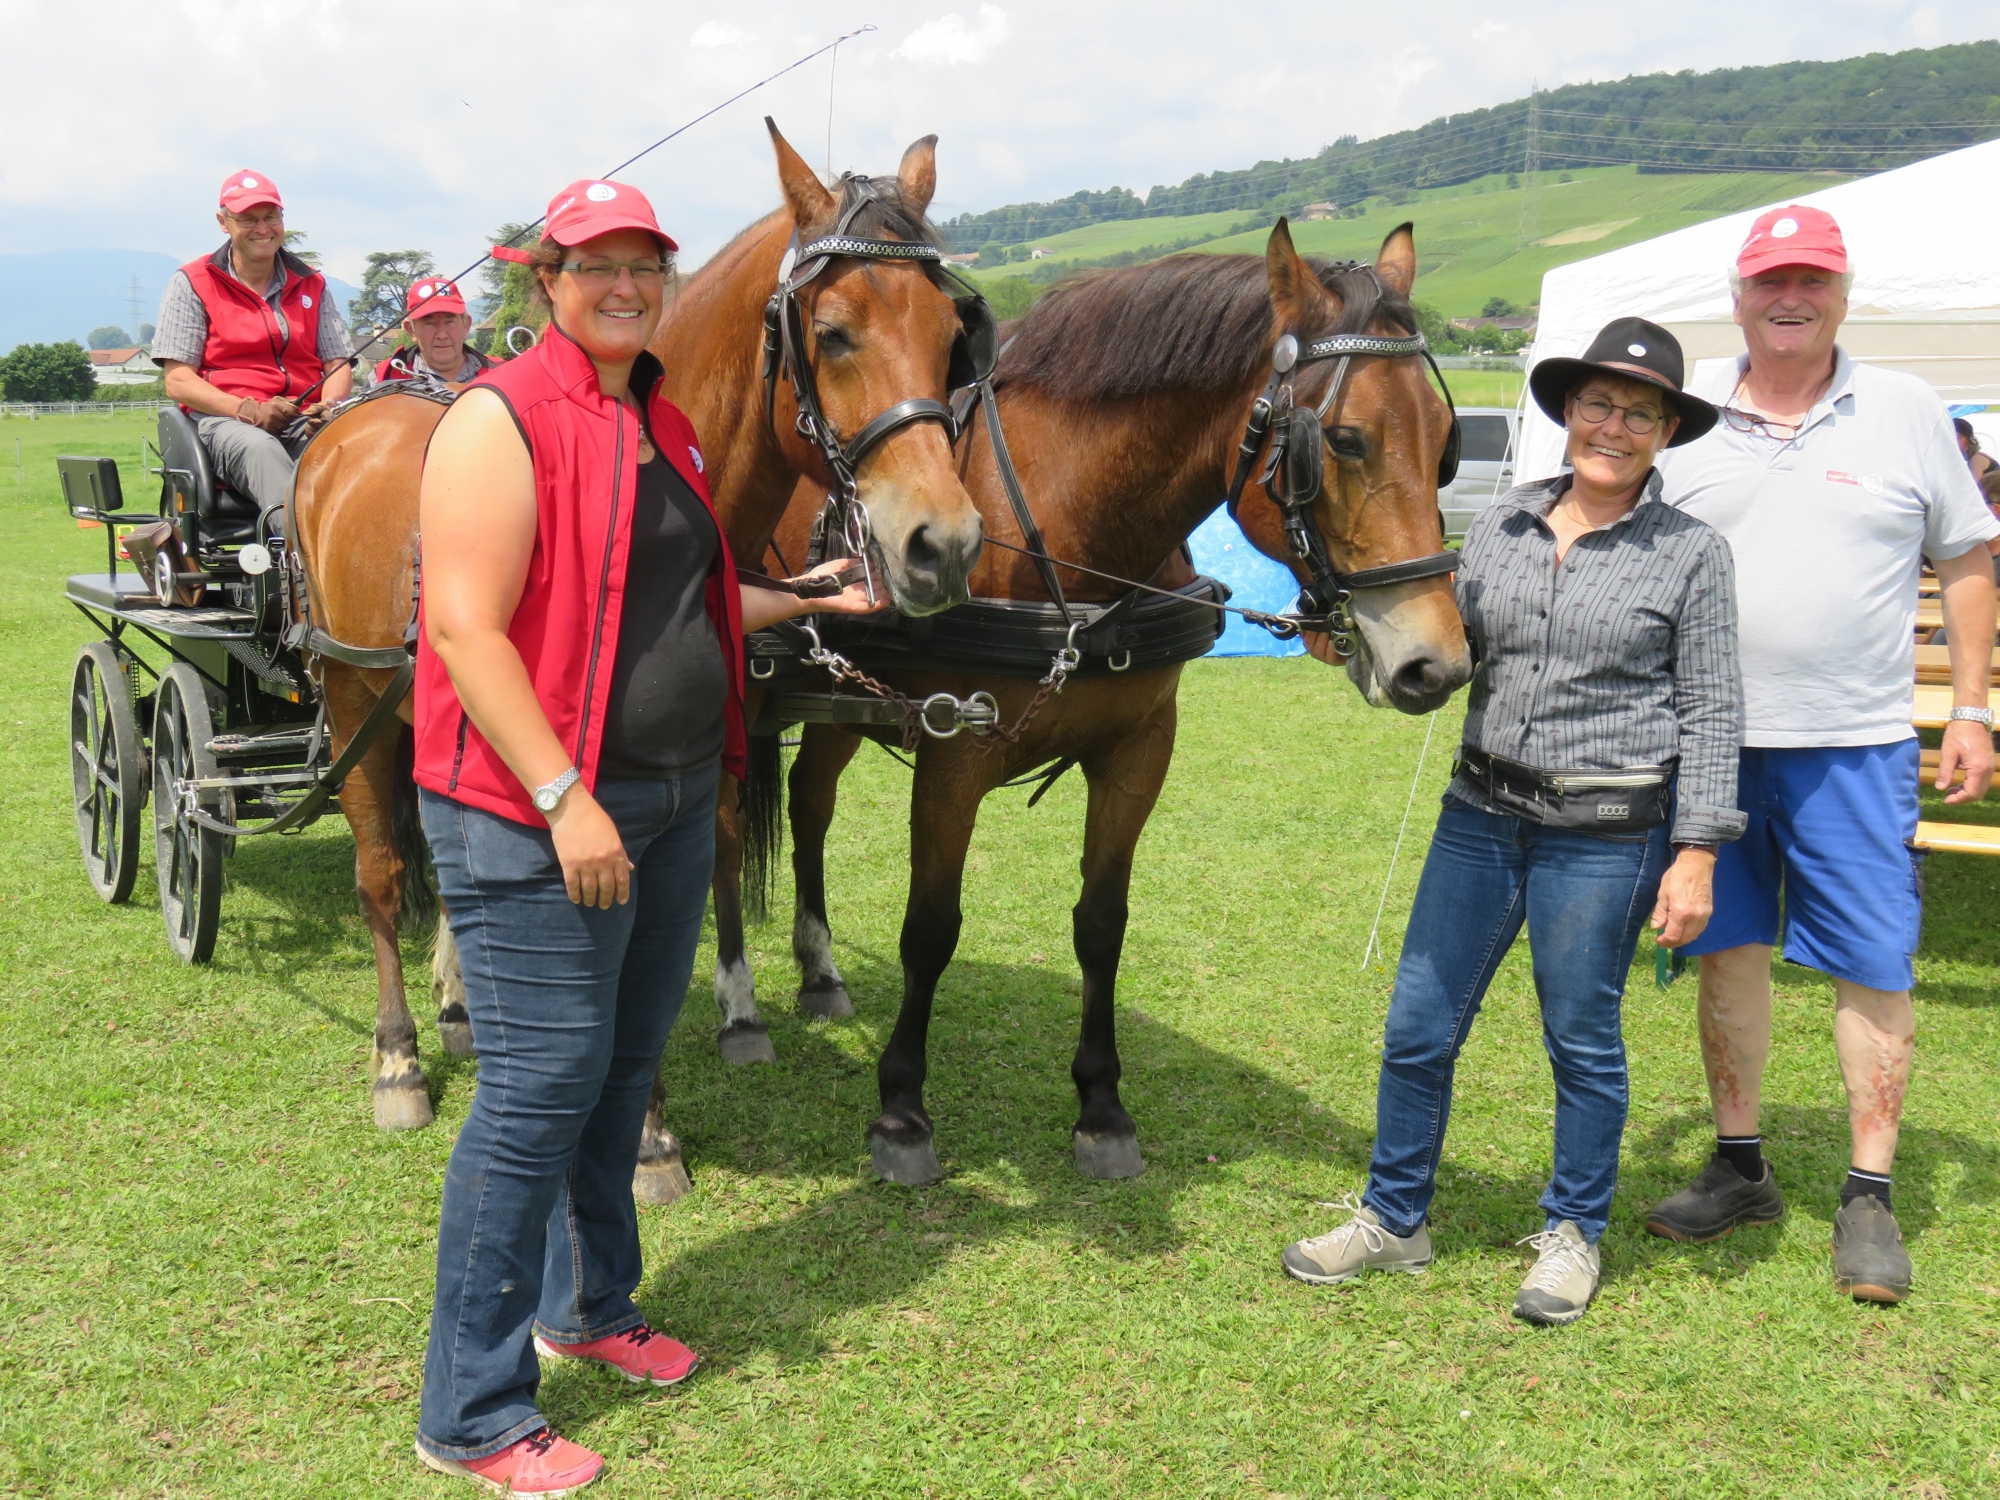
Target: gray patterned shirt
column 1625, row 655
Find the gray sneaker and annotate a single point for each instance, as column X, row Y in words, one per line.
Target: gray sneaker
column 1869, row 1261
column 1563, row 1279
column 1361, row 1244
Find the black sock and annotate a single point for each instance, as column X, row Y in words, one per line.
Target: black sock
column 1862, row 1184
column 1743, row 1152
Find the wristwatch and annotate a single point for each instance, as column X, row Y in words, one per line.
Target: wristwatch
column 1974, row 715
column 546, row 797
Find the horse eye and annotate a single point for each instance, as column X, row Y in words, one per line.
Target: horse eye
column 1348, row 442
column 833, row 340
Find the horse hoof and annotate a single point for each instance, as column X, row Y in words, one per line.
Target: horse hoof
column 457, row 1038
column 826, row 1002
column 1108, row 1157
column 745, row 1042
column 402, row 1109
column 912, row 1166
column 661, row 1181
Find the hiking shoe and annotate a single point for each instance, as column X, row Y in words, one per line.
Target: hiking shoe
column 639, row 1354
column 1869, row 1261
column 540, row 1464
column 1563, row 1279
column 1361, row 1244
column 1715, row 1203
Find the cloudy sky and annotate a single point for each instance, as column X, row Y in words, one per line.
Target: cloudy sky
column 389, row 125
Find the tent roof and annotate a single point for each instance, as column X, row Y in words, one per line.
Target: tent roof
column 1926, row 294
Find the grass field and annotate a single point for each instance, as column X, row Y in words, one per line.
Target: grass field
column 215, row 1275
column 1468, row 235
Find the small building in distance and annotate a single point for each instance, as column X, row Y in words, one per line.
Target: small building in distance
column 970, row 258
column 1040, row 253
column 123, row 366
column 1501, row 325
column 1320, row 211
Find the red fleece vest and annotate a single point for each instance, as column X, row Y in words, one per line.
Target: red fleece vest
column 585, row 450
column 246, row 354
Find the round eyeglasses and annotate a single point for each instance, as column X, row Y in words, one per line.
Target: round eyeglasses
column 1639, row 420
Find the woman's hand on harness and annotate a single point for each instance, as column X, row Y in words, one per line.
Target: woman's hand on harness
column 1319, row 646
column 595, row 869
column 1687, row 897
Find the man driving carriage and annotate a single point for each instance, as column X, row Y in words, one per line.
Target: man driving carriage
column 243, row 335
column 438, row 325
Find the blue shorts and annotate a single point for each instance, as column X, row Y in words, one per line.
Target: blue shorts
column 1830, row 829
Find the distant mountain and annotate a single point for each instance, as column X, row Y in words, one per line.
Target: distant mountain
column 63, row 294
column 1858, row 115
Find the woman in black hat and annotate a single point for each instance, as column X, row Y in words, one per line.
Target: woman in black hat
column 1605, row 707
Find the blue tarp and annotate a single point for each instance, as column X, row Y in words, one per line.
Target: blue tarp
column 1221, row 551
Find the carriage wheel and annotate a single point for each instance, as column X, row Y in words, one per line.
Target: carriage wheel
column 189, row 856
column 108, row 768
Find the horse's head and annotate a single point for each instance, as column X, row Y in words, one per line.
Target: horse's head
column 1384, row 437
column 878, row 333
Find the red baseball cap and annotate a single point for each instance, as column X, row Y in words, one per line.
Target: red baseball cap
column 587, row 208
column 241, row 190
column 1793, row 236
column 433, row 294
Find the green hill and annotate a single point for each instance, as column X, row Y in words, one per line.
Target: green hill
column 1857, row 115
column 1468, row 236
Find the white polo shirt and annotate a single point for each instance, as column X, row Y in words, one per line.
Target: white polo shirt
column 1829, row 532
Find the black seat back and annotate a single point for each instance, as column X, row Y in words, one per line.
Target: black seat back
column 188, row 478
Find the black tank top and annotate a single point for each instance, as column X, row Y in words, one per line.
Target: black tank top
column 669, row 687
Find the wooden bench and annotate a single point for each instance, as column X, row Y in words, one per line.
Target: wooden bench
column 1959, row 838
column 1934, row 665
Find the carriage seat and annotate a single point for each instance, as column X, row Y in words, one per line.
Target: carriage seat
column 224, row 516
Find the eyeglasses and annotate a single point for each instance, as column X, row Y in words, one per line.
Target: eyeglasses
column 1639, row 420
column 270, row 219
column 1750, row 422
column 605, row 272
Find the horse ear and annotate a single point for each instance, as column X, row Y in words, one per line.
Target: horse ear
column 1295, row 291
column 806, row 195
column 1396, row 263
column 918, row 174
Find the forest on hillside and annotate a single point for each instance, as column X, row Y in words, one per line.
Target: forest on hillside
column 1857, row 115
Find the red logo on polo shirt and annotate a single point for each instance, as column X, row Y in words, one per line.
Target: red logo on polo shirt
column 1841, row 476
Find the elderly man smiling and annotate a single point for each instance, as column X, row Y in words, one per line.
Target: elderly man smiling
column 1832, row 481
column 243, row 335
column 438, row 325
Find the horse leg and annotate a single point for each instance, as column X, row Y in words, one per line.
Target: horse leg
column 824, row 752
column 1125, row 782
column 448, row 990
column 661, row 1175
column 942, row 813
column 744, row 1037
column 401, row 1092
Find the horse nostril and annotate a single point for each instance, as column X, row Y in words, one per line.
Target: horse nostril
column 921, row 555
column 1421, row 677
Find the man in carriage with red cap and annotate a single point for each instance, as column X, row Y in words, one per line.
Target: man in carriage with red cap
column 437, row 325
column 247, row 334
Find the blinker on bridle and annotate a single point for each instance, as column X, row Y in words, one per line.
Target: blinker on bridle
column 1294, row 473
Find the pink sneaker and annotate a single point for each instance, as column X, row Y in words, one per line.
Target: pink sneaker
column 540, row 1464
column 639, row 1354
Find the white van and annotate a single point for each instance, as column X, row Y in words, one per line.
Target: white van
column 1488, row 438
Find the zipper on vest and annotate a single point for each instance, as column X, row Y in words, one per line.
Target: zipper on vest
column 458, row 759
column 604, row 579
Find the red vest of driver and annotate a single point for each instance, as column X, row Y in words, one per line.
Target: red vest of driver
column 249, row 351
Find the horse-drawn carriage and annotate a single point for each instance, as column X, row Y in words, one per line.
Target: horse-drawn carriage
column 219, row 724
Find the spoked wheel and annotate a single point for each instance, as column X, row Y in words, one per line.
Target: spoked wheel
column 108, row 767
column 189, row 856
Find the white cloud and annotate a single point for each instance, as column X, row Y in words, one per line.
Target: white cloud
column 949, row 39
column 1411, row 65
column 716, row 34
column 1486, row 28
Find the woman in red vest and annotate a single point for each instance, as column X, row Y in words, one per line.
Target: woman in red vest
column 579, row 689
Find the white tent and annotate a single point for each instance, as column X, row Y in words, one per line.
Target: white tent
column 1924, row 241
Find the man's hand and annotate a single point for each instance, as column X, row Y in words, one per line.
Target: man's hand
column 316, row 415
column 1687, row 898
column 274, row 416
column 1967, row 747
column 1319, row 646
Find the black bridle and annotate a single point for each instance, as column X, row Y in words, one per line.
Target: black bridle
column 844, row 520
column 1294, row 473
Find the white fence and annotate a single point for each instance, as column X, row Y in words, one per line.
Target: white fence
column 74, row 408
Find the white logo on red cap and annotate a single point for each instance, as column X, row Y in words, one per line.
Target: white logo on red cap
column 600, row 192
column 1635, row 350
column 424, row 290
column 249, row 182
column 1784, row 229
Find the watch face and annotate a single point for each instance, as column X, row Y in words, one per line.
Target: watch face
column 546, row 801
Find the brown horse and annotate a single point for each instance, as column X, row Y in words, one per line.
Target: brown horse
column 877, row 335
column 1125, row 397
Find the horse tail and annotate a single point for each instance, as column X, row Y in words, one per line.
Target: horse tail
column 763, row 807
column 418, row 903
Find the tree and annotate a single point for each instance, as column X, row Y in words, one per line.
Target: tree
column 48, row 372
column 295, row 238
column 385, row 287
column 1498, row 307
column 510, row 287
column 108, row 337
column 146, row 333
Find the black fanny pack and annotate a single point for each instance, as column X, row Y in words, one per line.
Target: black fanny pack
column 1628, row 801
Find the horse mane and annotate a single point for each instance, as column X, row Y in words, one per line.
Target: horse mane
column 1199, row 322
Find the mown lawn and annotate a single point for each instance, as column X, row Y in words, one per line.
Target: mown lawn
column 214, row 1274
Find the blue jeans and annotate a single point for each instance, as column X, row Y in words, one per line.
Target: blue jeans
column 1584, row 897
column 570, row 1009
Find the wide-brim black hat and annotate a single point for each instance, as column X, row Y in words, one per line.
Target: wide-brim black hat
column 1630, row 349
